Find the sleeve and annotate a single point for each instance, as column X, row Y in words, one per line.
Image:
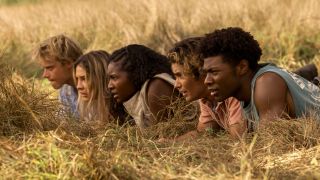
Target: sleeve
column 62, row 96
column 68, row 99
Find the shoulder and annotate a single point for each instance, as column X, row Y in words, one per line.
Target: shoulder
column 67, row 92
column 63, row 91
column 270, row 81
column 158, row 86
column 231, row 101
column 270, row 87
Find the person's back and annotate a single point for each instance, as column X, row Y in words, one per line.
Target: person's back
column 56, row 56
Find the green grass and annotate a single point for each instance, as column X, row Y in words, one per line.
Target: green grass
column 17, row 2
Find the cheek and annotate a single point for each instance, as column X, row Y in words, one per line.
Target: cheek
column 187, row 85
column 221, row 79
column 86, row 85
column 120, row 86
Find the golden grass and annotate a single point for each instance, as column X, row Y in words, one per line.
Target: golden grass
column 287, row 30
column 35, row 143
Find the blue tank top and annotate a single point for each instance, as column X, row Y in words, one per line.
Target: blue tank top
column 305, row 95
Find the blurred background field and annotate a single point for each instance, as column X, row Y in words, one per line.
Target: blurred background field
column 288, row 30
column 35, row 144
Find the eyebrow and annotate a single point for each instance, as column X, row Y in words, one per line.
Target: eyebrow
column 48, row 66
column 177, row 73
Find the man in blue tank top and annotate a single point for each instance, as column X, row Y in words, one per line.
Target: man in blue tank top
column 266, row 92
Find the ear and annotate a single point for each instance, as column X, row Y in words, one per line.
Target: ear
column 69, row 64
column 242, row 67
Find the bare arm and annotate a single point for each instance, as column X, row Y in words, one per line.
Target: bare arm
column 159, row 96
column 270, row 96
column 205, row 121
column 202, row 126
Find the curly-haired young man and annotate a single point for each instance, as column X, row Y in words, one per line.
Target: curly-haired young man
column 186, row 65
column 266, row 92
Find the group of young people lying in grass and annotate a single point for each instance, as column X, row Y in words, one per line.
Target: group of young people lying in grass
column 220, row 71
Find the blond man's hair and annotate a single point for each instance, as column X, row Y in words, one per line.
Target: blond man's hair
column 60, row 48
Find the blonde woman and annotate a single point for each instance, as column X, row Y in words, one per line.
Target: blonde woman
column 94, row 100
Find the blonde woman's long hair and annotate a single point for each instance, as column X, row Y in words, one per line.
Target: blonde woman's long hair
column 95, row 63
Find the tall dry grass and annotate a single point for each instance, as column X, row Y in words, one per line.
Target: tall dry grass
column 287, row 30
column 38, row 142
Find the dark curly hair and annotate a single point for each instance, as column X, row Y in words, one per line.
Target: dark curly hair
column 186, row 53
column 141, row 63
column 234, row 44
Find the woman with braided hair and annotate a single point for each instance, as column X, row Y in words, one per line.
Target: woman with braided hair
column 141, row 80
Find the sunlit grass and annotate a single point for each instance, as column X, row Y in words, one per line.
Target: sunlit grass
column 35, row 143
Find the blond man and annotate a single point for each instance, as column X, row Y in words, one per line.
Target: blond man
column 56, row 56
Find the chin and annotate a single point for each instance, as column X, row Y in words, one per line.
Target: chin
column 85, row 98
column 56, row 86
column 190, row 99
column 119, row 101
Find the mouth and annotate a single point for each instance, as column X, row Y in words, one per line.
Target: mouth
column 83, row 94
column 115, row 95
column 213, row 91
column 184, row 93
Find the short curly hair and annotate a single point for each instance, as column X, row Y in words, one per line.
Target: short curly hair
column 141, row 63
column 234, row 44
column 186, row 53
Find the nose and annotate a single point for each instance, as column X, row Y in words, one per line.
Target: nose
column 45, row 74
column 110, row 85
column 177, row 84
column 208, row 80
column 79, row 85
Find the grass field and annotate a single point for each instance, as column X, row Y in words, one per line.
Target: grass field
column 36, row 144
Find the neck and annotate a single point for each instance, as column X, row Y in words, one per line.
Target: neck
column 71, row 83
column 245, row 88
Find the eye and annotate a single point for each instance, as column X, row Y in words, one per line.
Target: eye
column 113, row 77
column 215, row 73
column 49, row 68
column 212, row 72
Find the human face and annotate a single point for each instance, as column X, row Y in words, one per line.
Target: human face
column 119, row 84
column 82, row 83
column 222, row 79
column 57, row 73
column 192, row 89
